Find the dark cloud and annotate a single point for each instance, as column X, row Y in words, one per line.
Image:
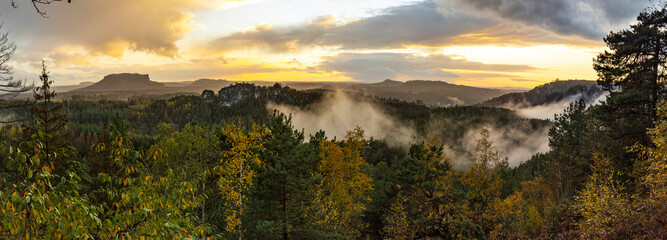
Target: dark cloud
column 376, row 66
column 416, row 24
column 588, row 18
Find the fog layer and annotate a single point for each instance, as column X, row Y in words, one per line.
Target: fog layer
column 338, row 113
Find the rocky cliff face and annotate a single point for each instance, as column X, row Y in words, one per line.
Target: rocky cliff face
column 124, row 82
column 247, row 92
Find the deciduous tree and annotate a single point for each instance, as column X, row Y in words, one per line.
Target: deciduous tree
column 484, row 181
column 341, row 195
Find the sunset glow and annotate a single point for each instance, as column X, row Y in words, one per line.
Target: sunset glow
column 462, row 42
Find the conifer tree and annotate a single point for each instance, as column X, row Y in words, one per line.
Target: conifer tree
column 633, row 71
column 570, row 158
column 282, row 195
column 42, row 195
column 425, row 206
column 50, row 125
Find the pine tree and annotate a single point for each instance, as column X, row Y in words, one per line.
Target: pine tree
column 425, row 206
column 50, row 125
column 633, row 71
column 570, row 158
column 282, row 195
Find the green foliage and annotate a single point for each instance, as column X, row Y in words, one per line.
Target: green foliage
column 35, row 204
column 282, row 202
column 133, row 202
column 49, row 125
column 425, row 206
column 177, row 169
column 633, row 71
column 570, row 158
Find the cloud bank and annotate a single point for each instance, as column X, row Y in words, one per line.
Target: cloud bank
column 548, row 111
column 376, row 66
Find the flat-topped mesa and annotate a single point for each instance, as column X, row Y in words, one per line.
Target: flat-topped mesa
column 124, row 82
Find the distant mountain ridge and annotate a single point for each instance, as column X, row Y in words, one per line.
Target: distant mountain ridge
column 431, row 93
column 548, row 93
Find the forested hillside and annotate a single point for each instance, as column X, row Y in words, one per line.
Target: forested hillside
column 552, row 92
column 223, row 165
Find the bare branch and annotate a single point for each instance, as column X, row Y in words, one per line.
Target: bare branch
column 36, row 3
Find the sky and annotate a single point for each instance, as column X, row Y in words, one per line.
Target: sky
column 485, row 43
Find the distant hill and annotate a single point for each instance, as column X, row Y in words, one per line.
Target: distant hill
column 432, row 93
column 123, row 82
column 548, row 93
column 67, row 88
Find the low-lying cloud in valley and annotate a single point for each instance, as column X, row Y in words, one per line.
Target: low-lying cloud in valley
column 517, row 142
column 518, row 146
column 548, row 111
column 338, row 113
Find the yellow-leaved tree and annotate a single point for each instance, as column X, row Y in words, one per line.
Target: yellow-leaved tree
column 484, row 181
column 521, row 214
column 341, row 195
column 602, row 203
column 235, row 171
column 652, row 203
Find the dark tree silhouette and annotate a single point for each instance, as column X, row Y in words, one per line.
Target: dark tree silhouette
column 49, row 124
column 633, row 71
column 9, row 87
column 37, row 3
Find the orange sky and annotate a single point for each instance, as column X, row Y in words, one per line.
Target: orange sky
column 491, row 43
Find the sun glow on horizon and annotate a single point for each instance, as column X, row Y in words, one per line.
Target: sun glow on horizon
column 304, row 40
